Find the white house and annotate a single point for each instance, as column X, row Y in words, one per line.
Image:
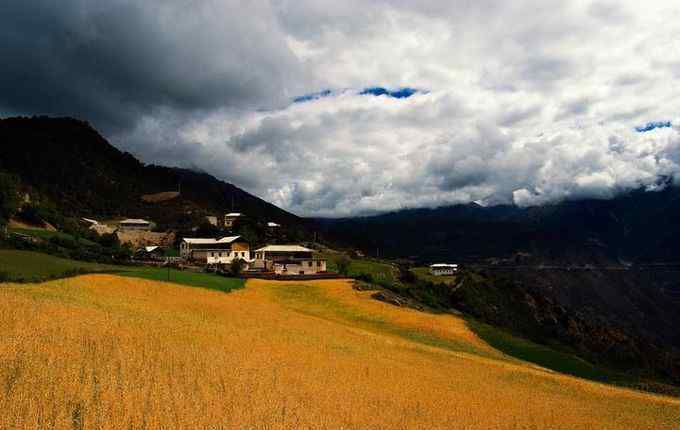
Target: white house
column 288, row 260
column 134, row 224
column 443, row 269
column 215, row 251
column 231, row 218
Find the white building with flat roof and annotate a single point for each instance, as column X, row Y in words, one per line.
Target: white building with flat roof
column 134, row 224
column 231, row 218
column 443, row 269
column 288, row 260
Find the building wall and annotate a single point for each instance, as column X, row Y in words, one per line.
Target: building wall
column 184, row 250
column 261, row 265
column 215, row 255
column 240, row 246
column 144, row 227
column 198, row 255
column 230, row 221
column 304, row 267
column 443, row 272
column 218, row 257
column 282, row 255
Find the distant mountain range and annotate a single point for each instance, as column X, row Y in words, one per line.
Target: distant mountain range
column 636, row 227
column 75, row 168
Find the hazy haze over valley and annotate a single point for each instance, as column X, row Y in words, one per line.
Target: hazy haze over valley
column 522, row 102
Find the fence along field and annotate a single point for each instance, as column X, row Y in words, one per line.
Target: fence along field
column 101, row 351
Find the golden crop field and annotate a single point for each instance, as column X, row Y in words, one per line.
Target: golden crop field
column 100, row 351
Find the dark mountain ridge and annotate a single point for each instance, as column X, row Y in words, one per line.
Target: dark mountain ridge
column 72, row 165
column 635, row 227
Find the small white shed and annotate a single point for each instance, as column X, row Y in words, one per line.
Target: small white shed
column 443, row 269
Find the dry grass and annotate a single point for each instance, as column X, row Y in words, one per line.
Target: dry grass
column 101, row 351
column 17, row 223
column 138, row 238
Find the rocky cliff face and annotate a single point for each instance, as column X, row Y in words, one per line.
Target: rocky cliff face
column 625, row 319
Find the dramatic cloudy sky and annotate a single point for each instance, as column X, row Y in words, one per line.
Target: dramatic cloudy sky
column 523, row 101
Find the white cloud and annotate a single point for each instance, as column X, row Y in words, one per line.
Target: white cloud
column 527, row 102
column 353, row 154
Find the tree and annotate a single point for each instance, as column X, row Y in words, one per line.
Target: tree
column 343, row 265
column 205, row 229
column 236, row 267
column 109, row 240
column 9, row 197
column 249, row 232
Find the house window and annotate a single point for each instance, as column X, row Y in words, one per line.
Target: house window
column 318, row 264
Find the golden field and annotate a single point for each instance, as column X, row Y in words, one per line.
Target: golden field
column 102, row 351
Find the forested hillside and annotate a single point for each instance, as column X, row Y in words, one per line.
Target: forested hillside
column 639, row 226
column 77, row 170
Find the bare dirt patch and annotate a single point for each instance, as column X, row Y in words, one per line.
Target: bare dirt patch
column 160, row 197
column 146, row 238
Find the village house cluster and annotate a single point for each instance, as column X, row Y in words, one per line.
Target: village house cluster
column 290, row 259
column 216, row 252
column 276, row 259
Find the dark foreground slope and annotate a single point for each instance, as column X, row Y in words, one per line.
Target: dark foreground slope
column 71, row 164
column 623, row 319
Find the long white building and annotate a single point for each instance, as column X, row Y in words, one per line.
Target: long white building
column 288, row 260
column 214, row 251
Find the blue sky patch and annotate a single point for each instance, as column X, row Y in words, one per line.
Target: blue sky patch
column 653, row 125
column 401, row 93
column 312, row 96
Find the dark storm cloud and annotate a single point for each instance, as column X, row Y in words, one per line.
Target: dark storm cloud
column 110, row 62
column 523, row 101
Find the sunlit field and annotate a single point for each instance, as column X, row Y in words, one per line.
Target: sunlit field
column 102, row 351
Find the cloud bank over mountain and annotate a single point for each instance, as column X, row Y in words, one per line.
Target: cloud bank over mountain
column 354, row 107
